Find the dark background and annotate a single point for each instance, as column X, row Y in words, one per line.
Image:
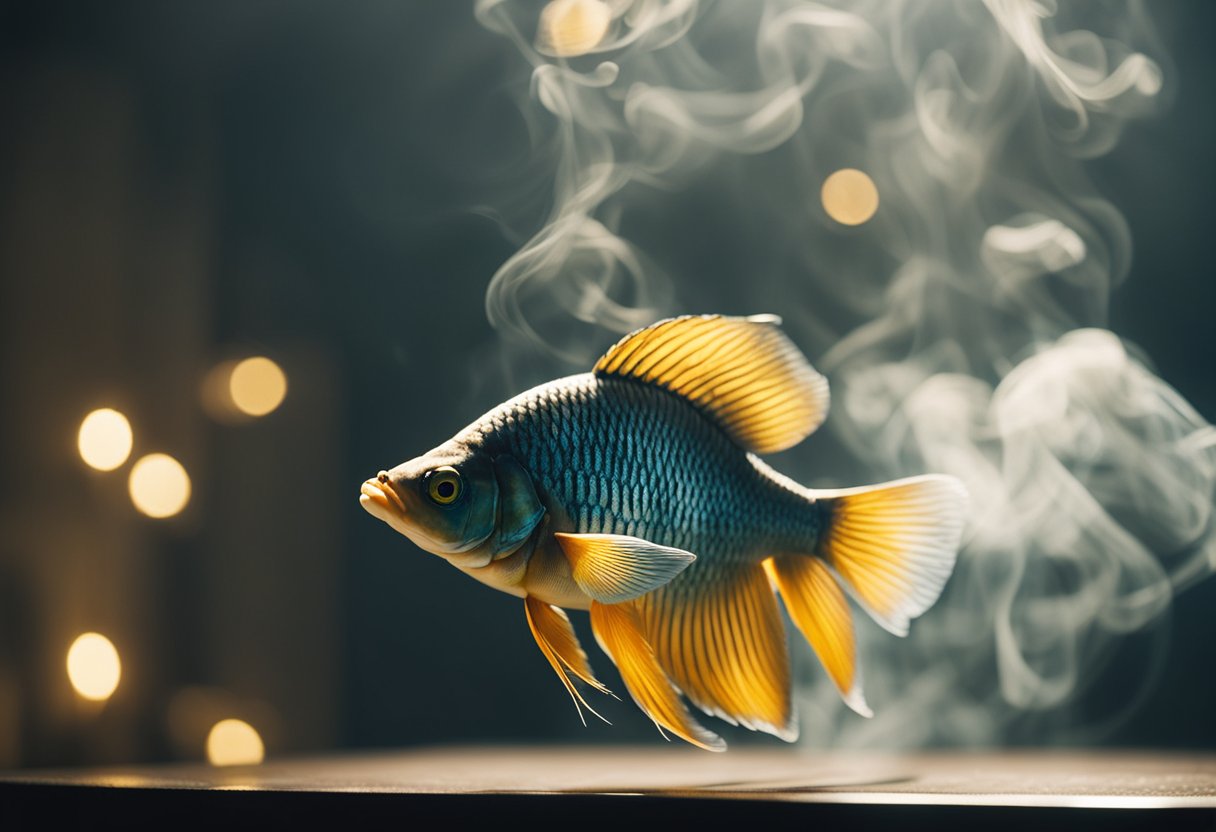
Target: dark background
column 182, row 183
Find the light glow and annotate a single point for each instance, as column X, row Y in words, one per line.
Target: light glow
column 257, row 386
column 849, row 196
column 105, row 439
column 234, row 742
column 573, row 27
column 159, row 485
column 93, row 666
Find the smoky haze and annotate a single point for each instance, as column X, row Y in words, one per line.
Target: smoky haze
column 964, row 329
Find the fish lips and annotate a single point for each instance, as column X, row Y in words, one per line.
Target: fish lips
column 380, row 500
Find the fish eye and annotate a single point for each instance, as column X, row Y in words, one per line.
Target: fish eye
column 444, row 485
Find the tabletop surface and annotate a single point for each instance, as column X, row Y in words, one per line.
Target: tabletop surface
column 1102, row 779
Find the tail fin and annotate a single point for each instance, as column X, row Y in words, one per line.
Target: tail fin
column 892, row 545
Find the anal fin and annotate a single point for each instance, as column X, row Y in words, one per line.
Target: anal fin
column 821, row 613
column 619, row 632
column 719, row 636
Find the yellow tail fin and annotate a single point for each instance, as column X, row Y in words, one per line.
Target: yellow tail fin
column 894, row 544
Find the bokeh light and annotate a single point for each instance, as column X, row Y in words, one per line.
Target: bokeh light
column 159, row 485
column 257, row 386
column 234, row 742
column 93, row 666
column 849, row 196
column 105, row 439
column 573, row 27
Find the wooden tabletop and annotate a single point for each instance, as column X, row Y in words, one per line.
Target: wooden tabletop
column 1005, row 789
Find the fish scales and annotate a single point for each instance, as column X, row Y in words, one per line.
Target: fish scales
column 692, row 488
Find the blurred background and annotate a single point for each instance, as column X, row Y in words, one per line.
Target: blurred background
column 246, row 261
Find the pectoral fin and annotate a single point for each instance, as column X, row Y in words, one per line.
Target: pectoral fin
column 612, row 568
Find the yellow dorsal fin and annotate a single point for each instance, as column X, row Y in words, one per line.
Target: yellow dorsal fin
column 613, row 567
column 556, row 639
column 741, row 372
column 619, row 633
column 818, row 607
column 720, row 637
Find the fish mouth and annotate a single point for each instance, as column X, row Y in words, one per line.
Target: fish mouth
column 380, row 499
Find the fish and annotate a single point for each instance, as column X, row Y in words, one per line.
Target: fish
column 636, row 492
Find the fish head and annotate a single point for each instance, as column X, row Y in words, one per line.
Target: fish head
column 445, row 501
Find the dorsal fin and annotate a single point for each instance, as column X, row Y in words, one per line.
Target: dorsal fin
column 741, row 372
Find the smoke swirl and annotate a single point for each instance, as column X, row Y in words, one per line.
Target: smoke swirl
column 965, row 320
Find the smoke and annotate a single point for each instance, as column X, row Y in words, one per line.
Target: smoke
column 961, row 328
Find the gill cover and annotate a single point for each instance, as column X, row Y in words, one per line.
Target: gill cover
column 519, row 509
